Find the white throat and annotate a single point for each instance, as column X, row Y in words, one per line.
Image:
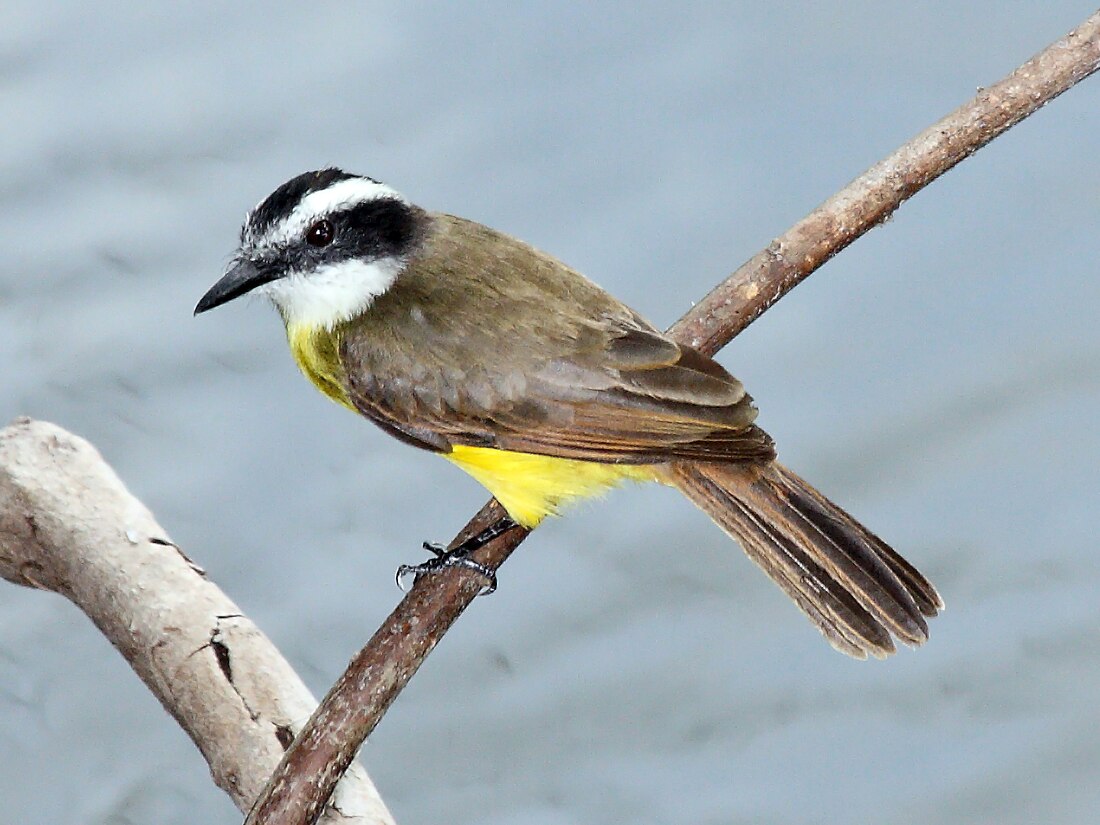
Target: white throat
column 332, row 293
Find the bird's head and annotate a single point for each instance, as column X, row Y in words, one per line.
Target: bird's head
column 322, row 247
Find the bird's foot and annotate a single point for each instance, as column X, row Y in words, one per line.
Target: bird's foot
column 459, row 557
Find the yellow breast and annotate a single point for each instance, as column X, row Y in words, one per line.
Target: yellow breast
column 316, row 351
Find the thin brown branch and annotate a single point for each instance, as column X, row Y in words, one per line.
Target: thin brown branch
column 355, row 704
column 872, row 197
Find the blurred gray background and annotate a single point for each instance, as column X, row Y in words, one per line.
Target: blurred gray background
column 940, row 378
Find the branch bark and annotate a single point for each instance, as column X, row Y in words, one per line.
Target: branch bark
column 327, row 745
column 68, row 524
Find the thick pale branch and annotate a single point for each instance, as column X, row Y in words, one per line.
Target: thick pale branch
column 68, row 524
column 378, row 673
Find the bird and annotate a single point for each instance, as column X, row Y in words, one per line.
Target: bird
column 465, row 341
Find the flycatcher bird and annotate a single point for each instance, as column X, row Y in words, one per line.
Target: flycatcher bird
column 462, row 340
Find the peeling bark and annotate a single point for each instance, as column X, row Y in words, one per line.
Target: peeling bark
column 68, row 524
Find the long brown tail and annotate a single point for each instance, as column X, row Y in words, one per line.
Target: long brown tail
column 849, row 582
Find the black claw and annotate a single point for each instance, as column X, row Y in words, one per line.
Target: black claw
column 443, row 560
column 459, row 557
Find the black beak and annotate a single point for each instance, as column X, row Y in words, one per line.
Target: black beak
column 242, row 277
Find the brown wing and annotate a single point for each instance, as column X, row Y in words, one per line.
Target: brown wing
column 641, row 398
column 487, row 342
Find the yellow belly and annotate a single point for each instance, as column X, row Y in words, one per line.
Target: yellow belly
column 531, row 487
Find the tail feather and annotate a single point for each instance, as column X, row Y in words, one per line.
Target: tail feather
column 835, row 611
column 853, row 586
column 920, row 589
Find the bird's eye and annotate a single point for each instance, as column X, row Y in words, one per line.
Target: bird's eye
column 321, row 233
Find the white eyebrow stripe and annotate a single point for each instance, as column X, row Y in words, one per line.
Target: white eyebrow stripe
column 341, row 194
